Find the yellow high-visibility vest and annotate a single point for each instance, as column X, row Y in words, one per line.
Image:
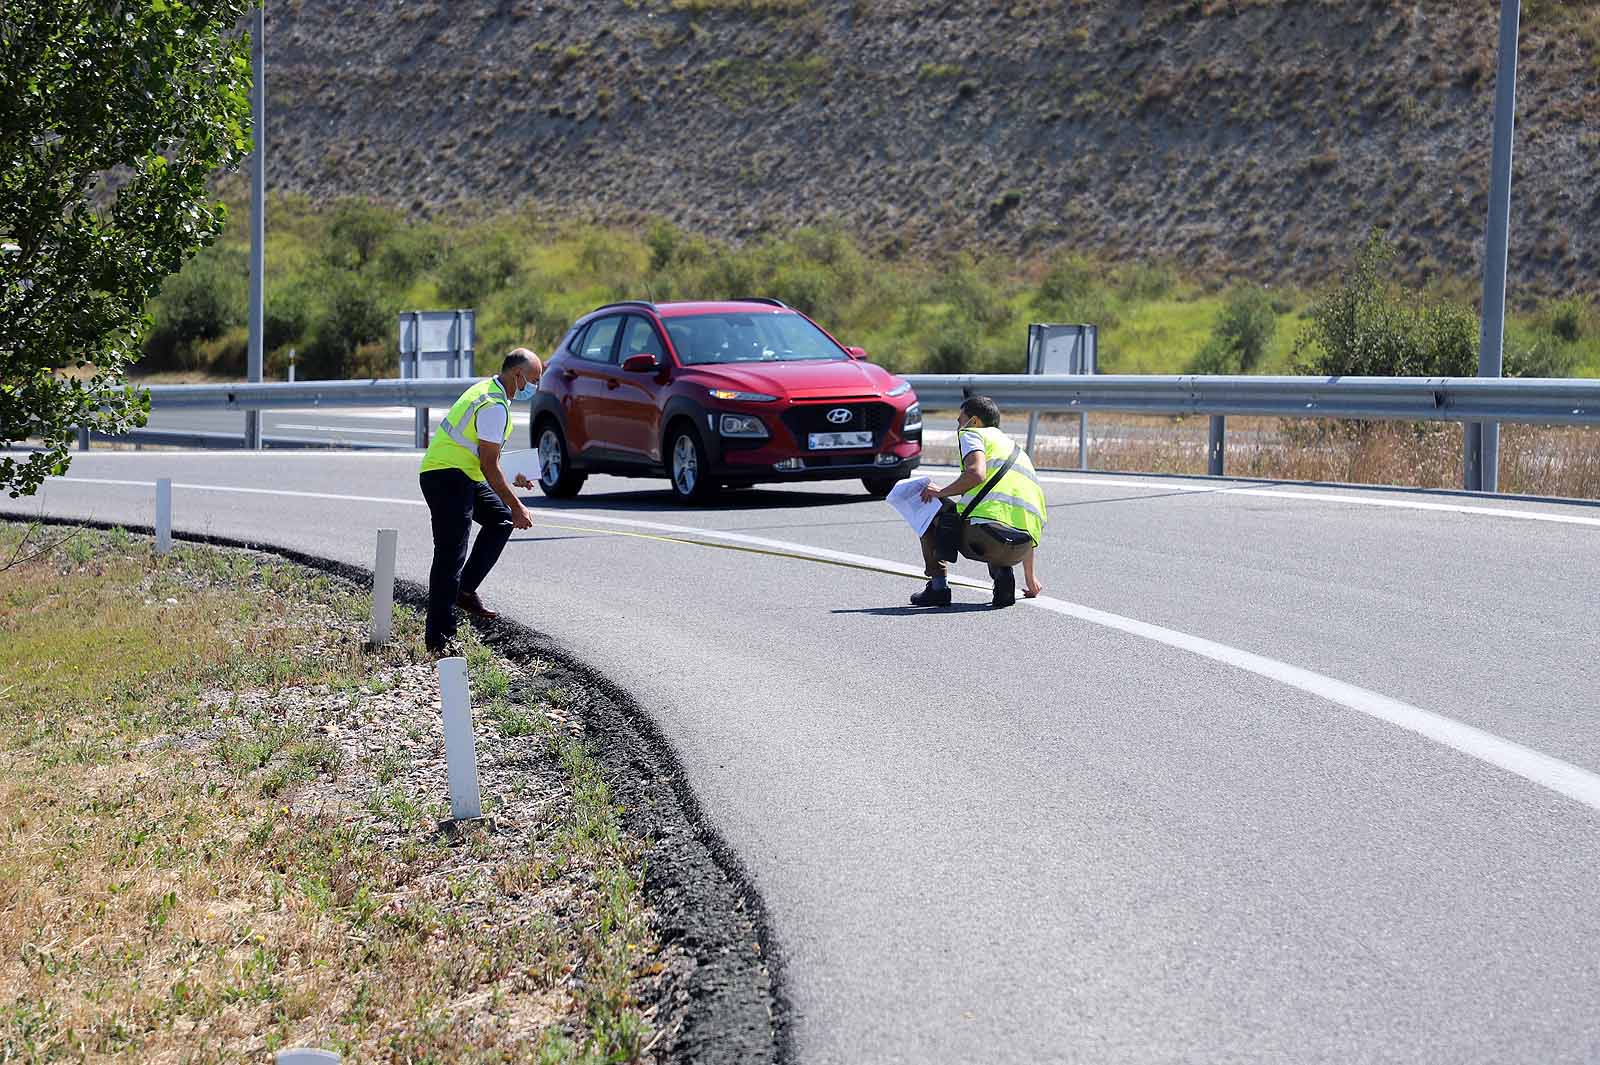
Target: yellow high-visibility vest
column 1017, row 500
column 456, row 445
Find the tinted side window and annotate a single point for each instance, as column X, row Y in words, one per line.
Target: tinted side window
column 639, row 338
column 574, row 345
column 599, row 343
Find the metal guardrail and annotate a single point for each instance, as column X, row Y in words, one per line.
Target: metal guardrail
column 1457, row 399
column 409, row 392
column 420, row 393
column 1538, row 401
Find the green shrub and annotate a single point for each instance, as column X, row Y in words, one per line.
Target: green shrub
column 1143, row 282
column 200, row 303
column 1370, row 325
column 485, row 263
column 357, row 230
column 1243, row 330
column 408, row 254
column 1074, row 290
column 1070, row 281
column 954, row 351
column 354, row 312
column 1216, row 357
column 286, row 315
column 1567, row 320
column 972, row 296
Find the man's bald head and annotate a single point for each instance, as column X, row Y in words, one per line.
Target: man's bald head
column 520, row 368
column 522, row 359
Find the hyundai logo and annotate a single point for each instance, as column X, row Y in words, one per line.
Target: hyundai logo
column 840, row 415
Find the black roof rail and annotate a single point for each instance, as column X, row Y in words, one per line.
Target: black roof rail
column 768, row 300
column 646, row 304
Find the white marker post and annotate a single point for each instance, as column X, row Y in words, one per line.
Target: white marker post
column 163, row 516
column 383, row 587
column 459, row 749
column 306, row 1056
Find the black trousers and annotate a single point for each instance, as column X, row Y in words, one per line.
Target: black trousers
column 455, row 501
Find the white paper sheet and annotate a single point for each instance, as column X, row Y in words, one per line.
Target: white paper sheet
column 525, row 462
column 906, row 498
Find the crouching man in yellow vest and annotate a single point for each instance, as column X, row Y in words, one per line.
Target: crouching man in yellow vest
column 1004, row 519
column 462, row 482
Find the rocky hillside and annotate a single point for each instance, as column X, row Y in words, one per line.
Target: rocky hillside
column 1250, row 136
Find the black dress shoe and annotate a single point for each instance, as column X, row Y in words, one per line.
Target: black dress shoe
column 1005, row 586
column 931, row 596
column 449, row 647
column 470, row 602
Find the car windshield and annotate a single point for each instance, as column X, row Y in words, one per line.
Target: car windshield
column 707, row 338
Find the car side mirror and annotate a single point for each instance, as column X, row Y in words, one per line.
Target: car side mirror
column 857, row 353
column 644, row 362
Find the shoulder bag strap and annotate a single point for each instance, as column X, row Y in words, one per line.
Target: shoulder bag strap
column 1005, row 467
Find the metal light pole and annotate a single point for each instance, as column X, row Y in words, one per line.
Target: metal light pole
column 1482, row 466
column 258, row 214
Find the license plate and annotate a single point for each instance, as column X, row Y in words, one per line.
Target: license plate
column 825, row 441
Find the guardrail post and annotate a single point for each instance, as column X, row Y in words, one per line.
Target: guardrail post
column 383, row 587
column 422, row 427
column 164, row 516
column 83, row 438
column 1083, row 440
column 1471, row 455
column 1216, row 444
column 459, row 750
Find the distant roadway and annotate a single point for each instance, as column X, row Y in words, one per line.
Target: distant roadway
column 1273, row 774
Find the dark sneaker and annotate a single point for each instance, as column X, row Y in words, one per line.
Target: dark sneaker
column 1005, row 586
column 470, row 602
column 931, row 596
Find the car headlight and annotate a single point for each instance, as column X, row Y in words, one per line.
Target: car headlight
column 743, row 397
column 898, row 390
column 913, row 417
column 747, row 425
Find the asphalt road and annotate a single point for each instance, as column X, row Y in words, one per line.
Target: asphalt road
column 1274, row 774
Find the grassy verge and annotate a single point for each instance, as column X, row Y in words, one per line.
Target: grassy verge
column 222, row 823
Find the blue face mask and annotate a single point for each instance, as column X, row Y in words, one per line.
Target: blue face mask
column 524, row 393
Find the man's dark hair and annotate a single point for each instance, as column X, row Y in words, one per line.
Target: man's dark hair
column 517, row 358
column 986, row 410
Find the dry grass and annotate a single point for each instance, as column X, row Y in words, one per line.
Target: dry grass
column 1553, row 461
column 195, row 870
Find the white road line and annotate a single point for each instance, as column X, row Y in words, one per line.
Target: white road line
column 1322, row 497
column 1092, row 482
column 1561, row 777
column 1350, row 500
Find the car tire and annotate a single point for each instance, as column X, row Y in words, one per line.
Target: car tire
column 879, row 487
column 556, row 477
column 688, row 468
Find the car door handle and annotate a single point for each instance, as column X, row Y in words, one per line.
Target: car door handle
column 612, row 382
column 569, row 375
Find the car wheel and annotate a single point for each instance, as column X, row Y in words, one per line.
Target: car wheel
column 556, row 477
column 879, row 487
column 689, row 468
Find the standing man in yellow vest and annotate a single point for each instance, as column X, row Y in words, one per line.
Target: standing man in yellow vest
column 1009, row 516
column 462, row 482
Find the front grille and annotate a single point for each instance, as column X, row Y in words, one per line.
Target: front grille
column 813, row 418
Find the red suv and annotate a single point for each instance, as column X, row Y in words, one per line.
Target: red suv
column 707, row 394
